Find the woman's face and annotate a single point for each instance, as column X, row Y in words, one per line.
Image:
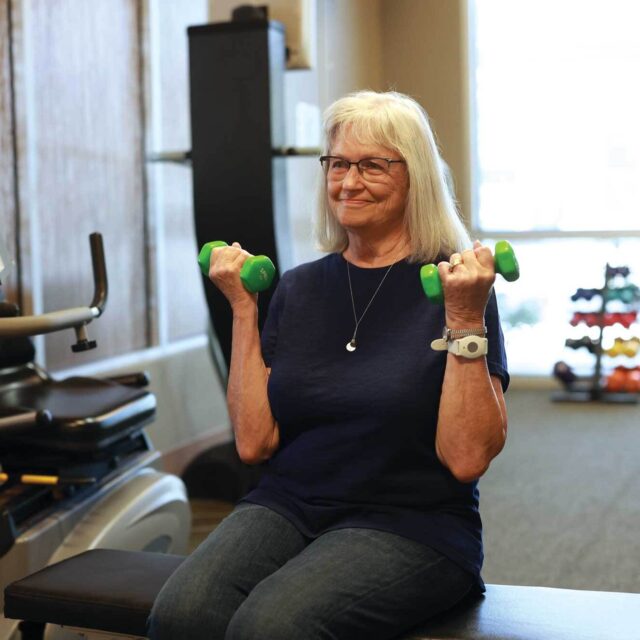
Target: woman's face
column 360, row 202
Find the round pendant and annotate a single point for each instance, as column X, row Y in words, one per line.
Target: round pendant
column 351, row 345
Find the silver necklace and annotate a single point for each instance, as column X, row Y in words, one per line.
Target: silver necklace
column 351, row 345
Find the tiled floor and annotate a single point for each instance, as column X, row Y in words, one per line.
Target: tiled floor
column 206, row 515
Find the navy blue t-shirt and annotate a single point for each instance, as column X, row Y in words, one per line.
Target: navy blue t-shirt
column 357, row 429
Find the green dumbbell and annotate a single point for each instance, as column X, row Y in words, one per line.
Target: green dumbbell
column 505, row 262
column 256, row 273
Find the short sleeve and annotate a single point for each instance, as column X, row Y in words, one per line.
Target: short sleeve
column 269, row 335
column 496, row 357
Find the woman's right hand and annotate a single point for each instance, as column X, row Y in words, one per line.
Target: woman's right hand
column 224, row 272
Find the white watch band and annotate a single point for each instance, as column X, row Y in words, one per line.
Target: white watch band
column 469, row 347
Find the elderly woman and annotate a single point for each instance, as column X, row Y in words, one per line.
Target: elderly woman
column 365, row 522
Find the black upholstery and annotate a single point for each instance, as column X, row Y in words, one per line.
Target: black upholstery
column 14, row 351
column 114, row 591
column 98, row 589
column 87, row 414
column 508, row 612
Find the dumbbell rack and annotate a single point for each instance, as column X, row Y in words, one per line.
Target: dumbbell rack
column 591, row 388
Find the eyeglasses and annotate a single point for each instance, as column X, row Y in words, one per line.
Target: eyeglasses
column 336, row 168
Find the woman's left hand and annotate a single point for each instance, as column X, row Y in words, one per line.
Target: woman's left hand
column 467, row 285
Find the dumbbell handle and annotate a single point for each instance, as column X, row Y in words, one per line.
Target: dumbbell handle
column 505, row 263
column 256, row 273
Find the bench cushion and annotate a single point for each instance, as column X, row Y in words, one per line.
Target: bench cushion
column 509, row 612
column 114, row 591
column 99, row 589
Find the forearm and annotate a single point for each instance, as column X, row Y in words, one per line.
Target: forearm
column 472, row 419
column 256, row 431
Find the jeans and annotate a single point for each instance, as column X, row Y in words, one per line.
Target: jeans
column 257, row 577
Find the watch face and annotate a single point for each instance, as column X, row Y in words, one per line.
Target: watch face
column 472, row 347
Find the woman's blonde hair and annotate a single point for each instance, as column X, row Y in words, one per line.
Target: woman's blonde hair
column 397, row 122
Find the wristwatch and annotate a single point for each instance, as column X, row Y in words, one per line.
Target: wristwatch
column 466, row 343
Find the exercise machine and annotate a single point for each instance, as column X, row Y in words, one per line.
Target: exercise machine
column 77, row 470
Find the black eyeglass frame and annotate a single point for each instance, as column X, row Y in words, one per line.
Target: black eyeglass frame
column 389, row 162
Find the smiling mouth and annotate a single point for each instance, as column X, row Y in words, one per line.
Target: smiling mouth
column 354, row 201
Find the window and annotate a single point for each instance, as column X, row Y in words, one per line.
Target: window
column 556, row 91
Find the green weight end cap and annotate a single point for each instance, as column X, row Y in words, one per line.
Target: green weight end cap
column 204, row 257
column 257, row 273
column 431, row 284
column 506, row 261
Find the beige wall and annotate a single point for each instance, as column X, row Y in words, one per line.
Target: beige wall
column 350, row 47
column 79, row 154
column 425, row 52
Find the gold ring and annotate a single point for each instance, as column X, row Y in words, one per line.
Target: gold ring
column 455, row 261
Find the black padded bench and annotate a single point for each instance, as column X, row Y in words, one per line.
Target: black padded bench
column 113, row 591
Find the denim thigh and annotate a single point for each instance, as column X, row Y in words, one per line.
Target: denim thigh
column 200, row 598
column 350, row 584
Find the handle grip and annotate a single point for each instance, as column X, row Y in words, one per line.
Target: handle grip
column 75, row 317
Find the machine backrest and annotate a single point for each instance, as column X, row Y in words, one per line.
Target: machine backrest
column 14, row 352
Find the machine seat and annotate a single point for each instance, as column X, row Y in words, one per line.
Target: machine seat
column 87, row 414
column 114, row 591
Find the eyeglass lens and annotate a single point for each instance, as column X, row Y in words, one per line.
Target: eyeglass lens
column 371, row 167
